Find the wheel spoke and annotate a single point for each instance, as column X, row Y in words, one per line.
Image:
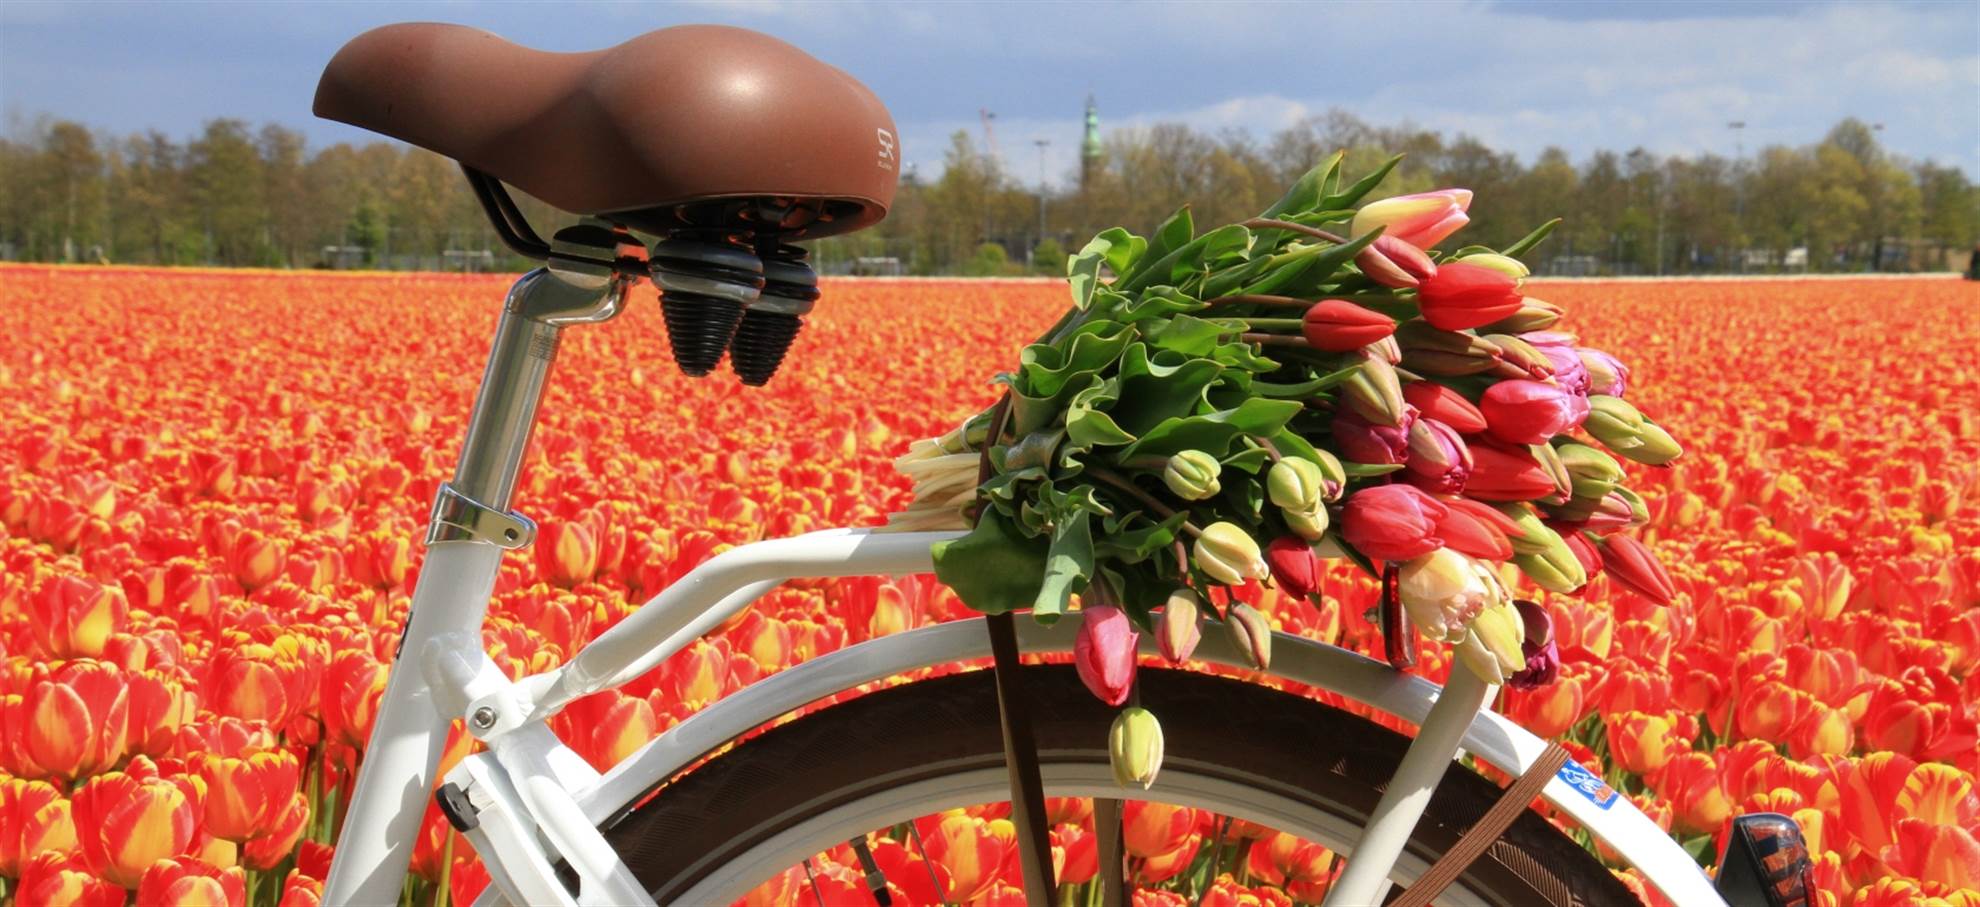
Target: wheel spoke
column 934, row 881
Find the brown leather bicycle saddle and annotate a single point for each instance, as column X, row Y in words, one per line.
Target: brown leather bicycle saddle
column 691, row 124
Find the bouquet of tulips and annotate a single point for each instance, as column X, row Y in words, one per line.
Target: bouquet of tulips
column 1316, row 382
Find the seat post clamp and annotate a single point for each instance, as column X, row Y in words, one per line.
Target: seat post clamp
column 457, row 518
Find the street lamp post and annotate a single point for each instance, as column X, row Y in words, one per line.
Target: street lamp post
column 1041, row 143
column 1739, row 190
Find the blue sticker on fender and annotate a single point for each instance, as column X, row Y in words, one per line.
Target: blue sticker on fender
column 1588, row 784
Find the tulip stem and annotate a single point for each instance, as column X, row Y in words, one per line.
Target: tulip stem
column 1276, row 339
column 1271, row 449
column 1294, row 323
column 1267, row 223
column 1127, row 485
column 1258, row 299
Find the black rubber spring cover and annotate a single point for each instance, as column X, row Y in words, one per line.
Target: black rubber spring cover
column 760, row 344
column 699, row 328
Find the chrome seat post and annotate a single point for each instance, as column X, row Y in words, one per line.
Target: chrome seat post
column 471, row 527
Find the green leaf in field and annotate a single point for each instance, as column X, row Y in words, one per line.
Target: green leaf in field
column 1068, row 564
column 1347, row 198
column 1531, row 239
column 993, row 569
column 1214, row 432
column 1166, row 385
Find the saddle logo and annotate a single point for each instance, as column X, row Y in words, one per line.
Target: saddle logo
column 887, row 161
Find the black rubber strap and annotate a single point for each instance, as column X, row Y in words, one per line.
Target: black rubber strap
column 1021, row 757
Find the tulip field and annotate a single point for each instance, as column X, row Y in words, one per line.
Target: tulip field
column 213, row 487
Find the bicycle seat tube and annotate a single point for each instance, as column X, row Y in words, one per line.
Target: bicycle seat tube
column 471, row 527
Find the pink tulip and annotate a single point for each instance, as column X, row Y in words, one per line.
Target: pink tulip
column 1422, row 220
column 1438, row 460
column 1527, row 412
column 1393, row 263
column 1392, row 522
column 1103, row 652
column 1362, row 441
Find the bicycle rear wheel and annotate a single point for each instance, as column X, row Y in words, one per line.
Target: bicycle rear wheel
column 1240, row 749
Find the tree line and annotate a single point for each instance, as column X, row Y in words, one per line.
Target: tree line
column 235, row 195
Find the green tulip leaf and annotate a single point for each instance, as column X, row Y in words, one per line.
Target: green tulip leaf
column 993, row 569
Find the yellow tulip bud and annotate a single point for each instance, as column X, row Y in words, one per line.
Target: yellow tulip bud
column 1134, row 748
column 1227, row 554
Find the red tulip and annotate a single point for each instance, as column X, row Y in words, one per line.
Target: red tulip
column 1507, row 474
column 1103, row 652
column 1294, row 565
column 1543, row 657
column 1633, row 565
column 1477, row 529
column 1392, row 522
column 1337, row 325
column 1465, row 296
column 1518, row 411
column 1435, row 401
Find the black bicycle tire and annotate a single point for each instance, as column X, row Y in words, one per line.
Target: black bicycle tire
column 1316, row 754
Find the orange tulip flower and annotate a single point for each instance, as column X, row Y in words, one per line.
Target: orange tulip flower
column 76, row 722
column 61, row 878
column 186, row 882
column 75, row 617
column 131, row 819
column 34, row 816
column 970, row 850
column 1150, row 830
column 1642, row 742
column 246, row 796
column 1691, row 784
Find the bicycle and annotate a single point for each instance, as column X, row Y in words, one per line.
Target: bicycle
column 592, row 134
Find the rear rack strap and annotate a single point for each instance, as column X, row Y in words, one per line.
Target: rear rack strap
column 1489, row 827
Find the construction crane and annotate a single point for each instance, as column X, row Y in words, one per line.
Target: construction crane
column 986, row 115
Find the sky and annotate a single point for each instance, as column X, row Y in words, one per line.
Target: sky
column 1521, row 76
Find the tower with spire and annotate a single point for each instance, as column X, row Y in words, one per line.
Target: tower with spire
column 1089, row 147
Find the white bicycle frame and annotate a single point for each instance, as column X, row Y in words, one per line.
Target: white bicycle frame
column 529, row 803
